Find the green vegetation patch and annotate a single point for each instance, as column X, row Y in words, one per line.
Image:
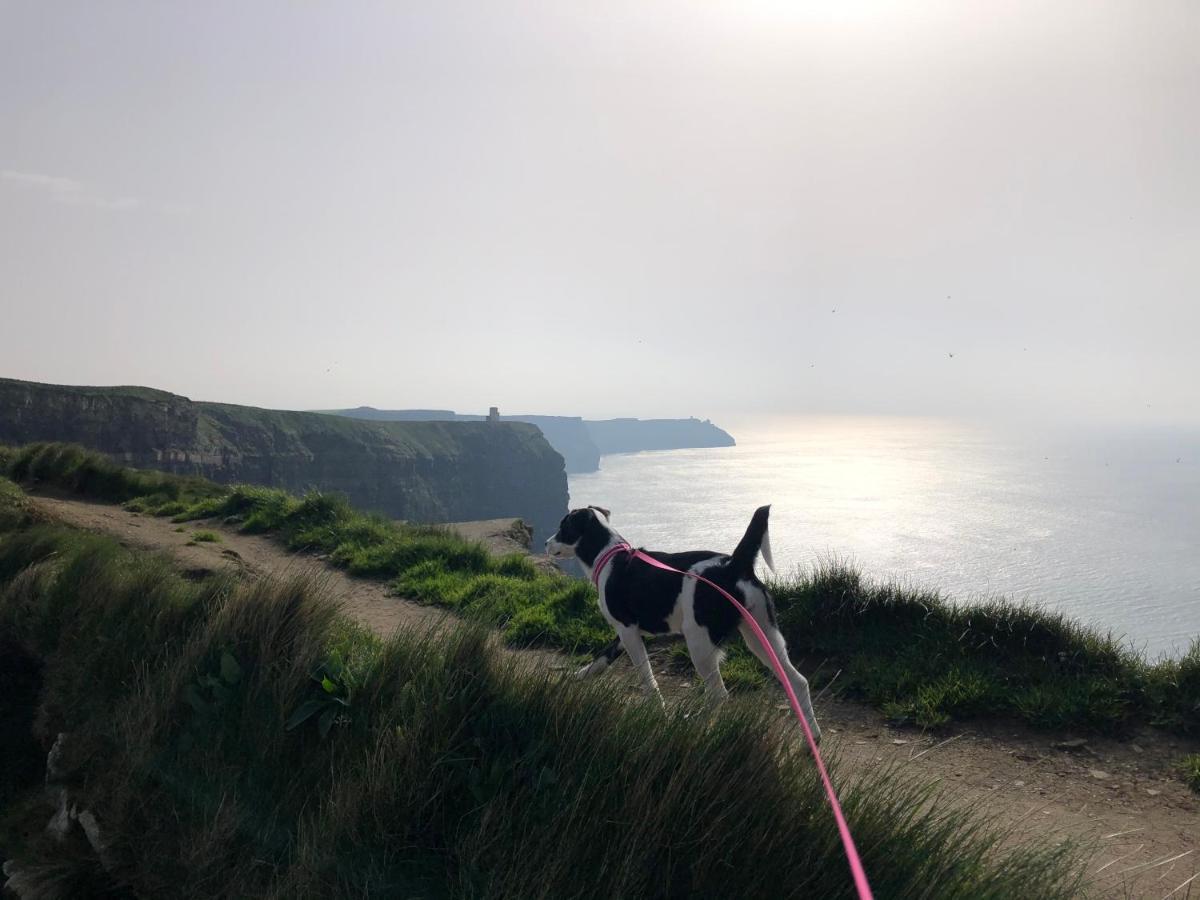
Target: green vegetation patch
column 239, row 738
column 14, row 509
column 1190, row 767
column 425, row 563
column 206, row 537
column 926, row 660
column 918, row 656
column 72, row 468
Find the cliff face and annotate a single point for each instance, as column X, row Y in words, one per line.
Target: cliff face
column 569, row 436
column 420, row 471
column 139, row 426
column 566, row 434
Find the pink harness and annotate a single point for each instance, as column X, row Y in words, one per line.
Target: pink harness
column 856, row 866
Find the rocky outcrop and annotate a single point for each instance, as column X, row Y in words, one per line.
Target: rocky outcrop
column 427, row 471
column 46, row 881
column 504, row 537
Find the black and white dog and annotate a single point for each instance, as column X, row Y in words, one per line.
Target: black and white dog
column 638, row 599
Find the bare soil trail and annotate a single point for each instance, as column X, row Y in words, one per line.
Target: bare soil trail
column 1122, row 800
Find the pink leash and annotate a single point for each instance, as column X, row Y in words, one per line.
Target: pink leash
column 856, row 866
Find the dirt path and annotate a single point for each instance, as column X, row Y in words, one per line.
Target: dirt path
column 367, row 601
column 1121, row 798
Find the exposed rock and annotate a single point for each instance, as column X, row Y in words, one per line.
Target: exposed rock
column 55, row 766
column 502, row 537
column 60, row 823
column 40, row 882
column 21, row 883
column 91, row 828
column 1070, row 745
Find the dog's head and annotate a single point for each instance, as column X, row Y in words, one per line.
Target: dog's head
column 577, row 526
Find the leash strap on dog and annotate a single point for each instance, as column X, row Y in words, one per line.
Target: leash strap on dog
column 856, row 867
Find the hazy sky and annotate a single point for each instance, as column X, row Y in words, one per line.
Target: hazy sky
column 608, row 208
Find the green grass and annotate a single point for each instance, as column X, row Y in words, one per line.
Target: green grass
column 927, row 660
column 1190, row 768
column 444, row 771
column 72, row 468
column 13, row 506
column 921, row 658
column 206, row 537
column 425, row 563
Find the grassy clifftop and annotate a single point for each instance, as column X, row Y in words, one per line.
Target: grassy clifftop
column 228, row 423
column 88, row 392
column 239, row 738
column 916, row 655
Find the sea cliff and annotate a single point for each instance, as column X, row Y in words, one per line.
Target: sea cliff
column 580, row 441
column 425, row 471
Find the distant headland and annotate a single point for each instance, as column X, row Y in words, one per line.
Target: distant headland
column 580, row 441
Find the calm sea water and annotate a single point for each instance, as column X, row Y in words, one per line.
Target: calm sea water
column 1104, row 525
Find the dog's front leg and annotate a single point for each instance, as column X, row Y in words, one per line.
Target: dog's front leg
column 631, row 640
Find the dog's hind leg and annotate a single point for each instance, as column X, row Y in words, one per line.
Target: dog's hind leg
column 631, row 639
column 605, row 659
column 707, row 660
column 798, row 682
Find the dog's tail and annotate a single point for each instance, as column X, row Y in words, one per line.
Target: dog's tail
column 756, row 539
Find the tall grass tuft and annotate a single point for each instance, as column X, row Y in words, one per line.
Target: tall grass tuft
column 928, row 660
column 81, row 471
column 1190, row 769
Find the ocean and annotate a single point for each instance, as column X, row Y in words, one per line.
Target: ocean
column 1103, row 524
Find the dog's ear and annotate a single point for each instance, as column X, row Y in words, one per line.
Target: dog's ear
column 600, row 509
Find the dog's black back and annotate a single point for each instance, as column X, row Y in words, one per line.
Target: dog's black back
column 637, row 593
